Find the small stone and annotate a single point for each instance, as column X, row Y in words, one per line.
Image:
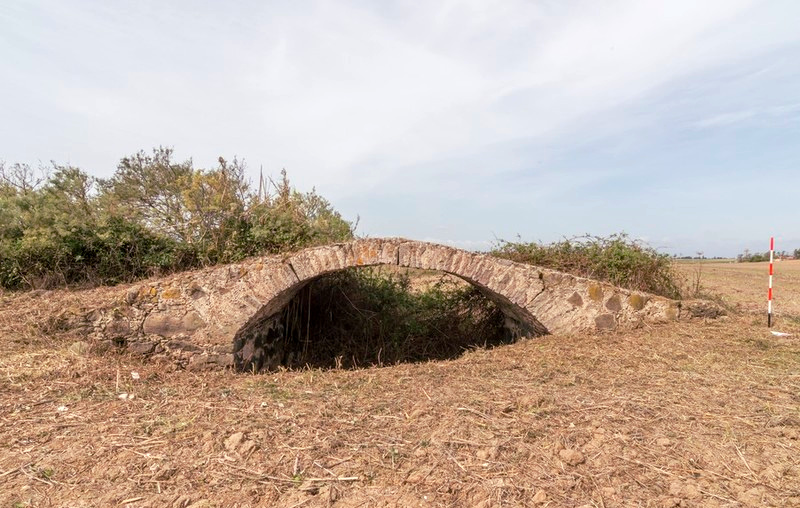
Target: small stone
column 690, row 491
column 233, row 442
column 79, row 348
column 572, row 457
column 247, row 447
column 540, row 497
column 203, row 503
column 141, row 348
column 663, row 442
column 132, row 295
column 118, row 328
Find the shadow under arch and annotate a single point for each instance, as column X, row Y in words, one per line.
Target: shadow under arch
column 259, row 344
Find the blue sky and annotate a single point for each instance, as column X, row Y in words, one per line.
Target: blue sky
column 459, row 122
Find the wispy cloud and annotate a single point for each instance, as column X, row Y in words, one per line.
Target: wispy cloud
column 734, row 117
column 526, row 105
column 726, row 118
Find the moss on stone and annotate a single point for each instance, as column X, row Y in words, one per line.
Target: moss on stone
column 636, row 301
column 595, row 292
column 672, row 312
column 170, row 294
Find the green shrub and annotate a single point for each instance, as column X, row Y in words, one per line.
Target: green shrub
column 616, row 259
column 60, row 226
column 755, row 257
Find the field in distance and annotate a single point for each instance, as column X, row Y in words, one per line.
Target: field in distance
column 744, row 285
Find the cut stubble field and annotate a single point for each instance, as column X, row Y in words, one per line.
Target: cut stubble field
column 698, row 413
column 744, row 285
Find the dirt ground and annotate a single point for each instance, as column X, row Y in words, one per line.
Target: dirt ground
column 703, row 413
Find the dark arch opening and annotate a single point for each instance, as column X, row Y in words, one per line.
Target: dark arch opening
column 376, row 316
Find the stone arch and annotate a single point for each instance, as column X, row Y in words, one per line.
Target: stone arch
column 496, row 279
column 200, row 313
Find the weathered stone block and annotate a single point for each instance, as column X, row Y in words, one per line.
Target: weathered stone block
column 141, row 348
column 605, row 322
column 613, row 304
column 575, row 299
column 167, row 325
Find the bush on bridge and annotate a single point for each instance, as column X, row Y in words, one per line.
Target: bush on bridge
column 616, row 259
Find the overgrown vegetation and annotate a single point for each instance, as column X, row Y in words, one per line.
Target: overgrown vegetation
column 61, row 226
column 617, row 259
column 362, row 317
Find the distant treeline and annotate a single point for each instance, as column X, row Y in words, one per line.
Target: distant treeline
column 754, row 257
column 697, row 257
column 60, row 226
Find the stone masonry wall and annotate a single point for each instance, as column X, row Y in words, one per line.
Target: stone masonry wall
column 195, row 316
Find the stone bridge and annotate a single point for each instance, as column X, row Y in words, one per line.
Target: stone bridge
column 222, row 315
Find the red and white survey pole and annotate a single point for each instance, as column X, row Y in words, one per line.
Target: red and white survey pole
column 769, row 294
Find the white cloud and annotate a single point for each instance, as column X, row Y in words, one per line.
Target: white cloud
column 358, row 96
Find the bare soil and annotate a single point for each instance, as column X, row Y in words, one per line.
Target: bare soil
column 701, row 413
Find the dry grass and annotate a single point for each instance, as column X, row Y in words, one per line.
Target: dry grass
column 695, row 414
column 744, row 285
